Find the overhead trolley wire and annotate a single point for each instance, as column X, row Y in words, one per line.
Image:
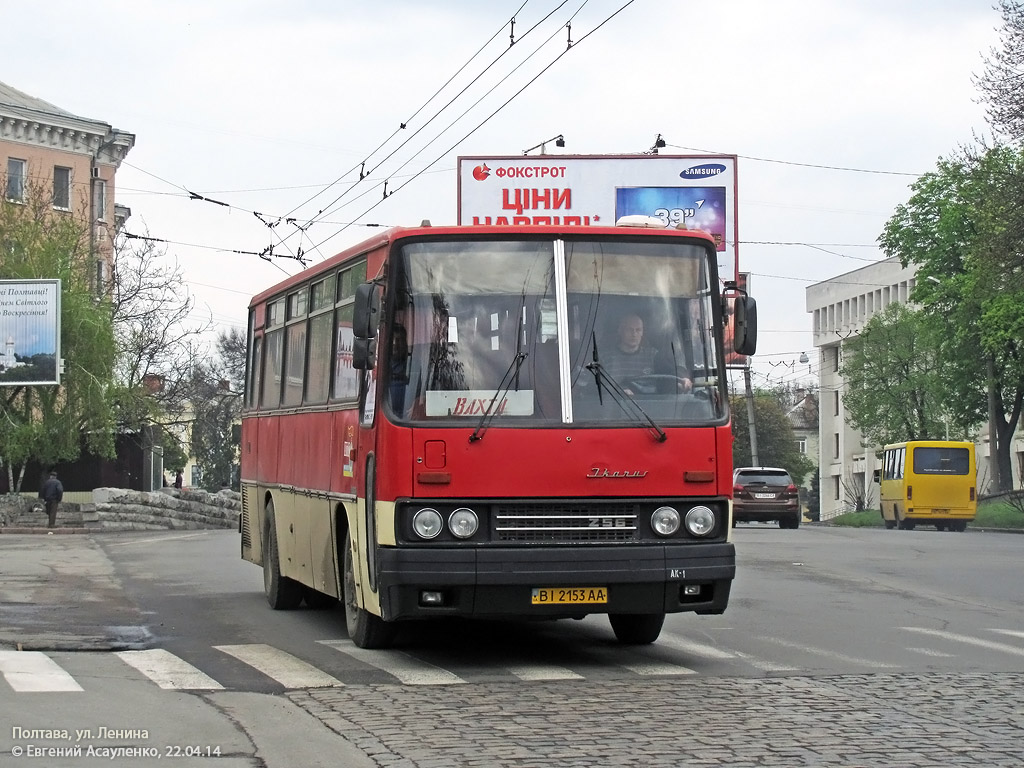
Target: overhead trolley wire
column 568, row 48
column 361, row 166
column 363, row 173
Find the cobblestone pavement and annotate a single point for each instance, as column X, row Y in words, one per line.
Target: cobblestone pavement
column 847, row 721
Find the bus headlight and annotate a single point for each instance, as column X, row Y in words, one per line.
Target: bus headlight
column 463, row 523
column 700, row 521
column 665, row 521
column 427, row 523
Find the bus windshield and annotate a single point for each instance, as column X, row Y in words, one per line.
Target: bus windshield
column 539, row 331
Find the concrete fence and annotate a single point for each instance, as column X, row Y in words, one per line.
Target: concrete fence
column 120, row 509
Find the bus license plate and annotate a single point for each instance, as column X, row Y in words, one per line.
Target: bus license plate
column 764, row 495
column 569, row 595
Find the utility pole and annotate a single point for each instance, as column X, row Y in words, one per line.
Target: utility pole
column 755, row 460
column 993, row 430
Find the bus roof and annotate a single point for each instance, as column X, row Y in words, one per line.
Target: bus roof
column 929, row 444
column 468, row 231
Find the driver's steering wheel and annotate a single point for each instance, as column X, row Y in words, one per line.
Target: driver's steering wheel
column 649, row 383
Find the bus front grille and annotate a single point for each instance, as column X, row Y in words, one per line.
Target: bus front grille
column 565, row 524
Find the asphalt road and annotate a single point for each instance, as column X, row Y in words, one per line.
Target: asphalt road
column 841, row 647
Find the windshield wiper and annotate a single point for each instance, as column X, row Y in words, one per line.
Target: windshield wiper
column 621, row 397
column 511, row 375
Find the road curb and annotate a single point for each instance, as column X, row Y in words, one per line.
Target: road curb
column 44, row 531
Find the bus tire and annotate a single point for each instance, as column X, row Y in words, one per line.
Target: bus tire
column 283, row 593
column 364, row 629
column 636, row 628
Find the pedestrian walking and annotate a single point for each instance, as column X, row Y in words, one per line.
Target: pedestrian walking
column 51, row 493
column 178, row 480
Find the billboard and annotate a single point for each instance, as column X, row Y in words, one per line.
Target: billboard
column 698, row 191
column 29, row 332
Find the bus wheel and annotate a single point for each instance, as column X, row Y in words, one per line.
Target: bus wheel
column 364, row 629
column 636, row 628
column 959, row 526
column 283, row 594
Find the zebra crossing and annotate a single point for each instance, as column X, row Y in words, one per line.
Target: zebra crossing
column 672, row 655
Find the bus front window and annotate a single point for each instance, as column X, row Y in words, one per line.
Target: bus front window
column 475, row 318
column 641, row 327
column 475, row 327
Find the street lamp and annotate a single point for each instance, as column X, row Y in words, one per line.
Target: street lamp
column 559, row 142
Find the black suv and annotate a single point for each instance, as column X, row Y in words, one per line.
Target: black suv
column 763, row 494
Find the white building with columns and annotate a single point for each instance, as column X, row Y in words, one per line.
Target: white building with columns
column 840, row 307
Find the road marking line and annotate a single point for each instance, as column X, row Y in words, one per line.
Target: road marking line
column 932, row 652
column 655, row 668
column 639, row 661
column 396, row 663
column 289, row 671
column 831, row 654
column 537, row 672
column 35, row 671
column 991, row 645
column 1010, row 632
column 160, row 539
column 765, row 666
column 168, row 671
column 698, row 649
column 714, row 652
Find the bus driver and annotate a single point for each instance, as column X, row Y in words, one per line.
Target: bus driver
column 631, row 360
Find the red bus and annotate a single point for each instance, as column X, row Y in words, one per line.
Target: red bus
column 444, row 421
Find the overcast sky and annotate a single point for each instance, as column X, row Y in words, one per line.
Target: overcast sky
column 831, row 105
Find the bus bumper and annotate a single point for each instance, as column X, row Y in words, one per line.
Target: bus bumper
column 499, row 582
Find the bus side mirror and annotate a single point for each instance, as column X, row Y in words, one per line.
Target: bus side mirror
column 366, row 314
column 364, row 354
column 876, row 475
column 744, row 325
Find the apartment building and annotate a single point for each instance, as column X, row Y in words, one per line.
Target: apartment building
column 840, row 308
column 47, row 150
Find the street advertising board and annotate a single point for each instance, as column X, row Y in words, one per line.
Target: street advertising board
column 698, row 191
column 29, row 332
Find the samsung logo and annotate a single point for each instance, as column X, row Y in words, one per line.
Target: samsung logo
column 698, row 171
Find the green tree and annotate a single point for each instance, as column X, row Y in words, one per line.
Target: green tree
column 894, row 387
column 963, row 228
column 53, row 423
column 776, row 443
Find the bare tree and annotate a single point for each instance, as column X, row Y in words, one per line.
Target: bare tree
column 160, row 341
column 1002, row 84
column 216, row 397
